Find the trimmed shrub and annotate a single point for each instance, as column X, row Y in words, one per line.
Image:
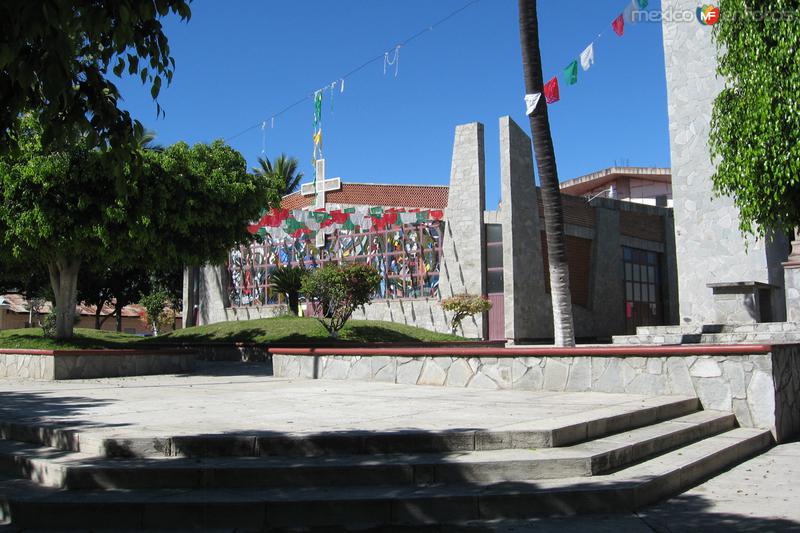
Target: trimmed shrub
column 463, row 306
column 340, row 291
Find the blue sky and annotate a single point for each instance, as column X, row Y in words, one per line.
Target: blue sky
column 241, row 61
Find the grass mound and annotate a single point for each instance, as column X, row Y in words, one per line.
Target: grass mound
column 32, row 339
column 281, row 330
column 288, row 330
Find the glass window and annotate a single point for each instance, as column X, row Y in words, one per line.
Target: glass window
column 494, row 233
column 494, row 256
column 495, row 281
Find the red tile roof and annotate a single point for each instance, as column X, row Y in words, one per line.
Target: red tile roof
column 423, row 196
column 18, row 304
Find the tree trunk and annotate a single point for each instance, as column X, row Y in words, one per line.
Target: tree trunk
column 118, row 311
column 64, row 280
column 548, row 175
column 97, row 311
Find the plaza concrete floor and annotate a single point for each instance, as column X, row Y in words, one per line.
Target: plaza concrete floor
column 758, row 495
column 228, row 399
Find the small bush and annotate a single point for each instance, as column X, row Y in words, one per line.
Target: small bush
column 463, row 306
column 49, row 325
column 158, row 314
column 340, row 291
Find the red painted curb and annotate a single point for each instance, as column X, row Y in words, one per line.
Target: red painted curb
column 621, row 351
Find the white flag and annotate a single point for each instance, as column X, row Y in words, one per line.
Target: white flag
column 630, row 12
column 531, row 101
column 587, row 57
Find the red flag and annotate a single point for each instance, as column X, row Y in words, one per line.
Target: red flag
column 619, row 25
column 551, row 91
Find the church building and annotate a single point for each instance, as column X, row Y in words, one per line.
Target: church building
column 431, row 242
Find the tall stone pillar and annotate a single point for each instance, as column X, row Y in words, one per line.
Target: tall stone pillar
column 465, row 239
column 523, row 269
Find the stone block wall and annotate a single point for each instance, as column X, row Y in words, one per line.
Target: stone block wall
column 709, row 246
column 763, row 390
column 792, row 274
column 27, row 366
column 92, row 365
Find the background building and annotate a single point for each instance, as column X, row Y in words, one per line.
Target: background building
column 431, row 242
column 15, row 314
column 648, row 186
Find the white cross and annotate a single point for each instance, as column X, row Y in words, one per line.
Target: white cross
column 321, row 186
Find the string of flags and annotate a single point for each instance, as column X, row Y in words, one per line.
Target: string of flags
column 585, row 60
column 390, row 58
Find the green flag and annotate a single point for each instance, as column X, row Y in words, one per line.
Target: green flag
column 571, row 73
column 642, row 3
column 376, row 211
column 349, row 226
column 350, row 210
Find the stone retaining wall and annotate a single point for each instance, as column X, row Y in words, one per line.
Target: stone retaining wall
column 762, row 389
column 58, row 365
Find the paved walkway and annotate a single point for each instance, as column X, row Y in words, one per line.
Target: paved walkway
column 219, row 401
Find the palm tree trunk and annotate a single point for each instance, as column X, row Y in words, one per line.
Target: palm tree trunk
column 563, row 326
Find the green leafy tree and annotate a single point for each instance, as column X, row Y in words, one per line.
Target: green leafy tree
column 288, row 280
column 182, row 206
column 340, row 291
column 118, row 287
column 563, row 324
column 755, row 126
column 198, row 202
column 284, row 174
column 56, row 58
column 463, row 306
column 58, row 209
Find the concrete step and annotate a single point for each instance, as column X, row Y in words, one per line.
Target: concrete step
column 711, row 338
column 762, row 327
column 259, row 509
column 72, row 470
column 553, row 432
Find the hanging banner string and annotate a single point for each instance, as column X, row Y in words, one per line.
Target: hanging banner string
column 394, row 61
column 361, row 67
column 586, row 58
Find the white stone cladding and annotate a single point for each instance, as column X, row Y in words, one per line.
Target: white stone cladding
column 709, row 246
column 762, row 390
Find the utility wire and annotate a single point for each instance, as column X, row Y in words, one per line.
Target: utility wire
column 364, row 65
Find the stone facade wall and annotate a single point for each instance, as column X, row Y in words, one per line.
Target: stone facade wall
column 793, row 294
column 27, row 366
column 92, row 366
column 709, row 245
column 761, row 389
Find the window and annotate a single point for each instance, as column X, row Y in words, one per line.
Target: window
column 642, row 288
column 494, row 259
column 407, row 255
